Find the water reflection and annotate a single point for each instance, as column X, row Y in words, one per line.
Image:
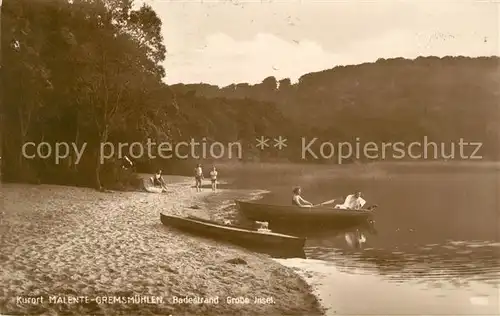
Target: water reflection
column 326, row 232
column 455, row 262
column 355, row 239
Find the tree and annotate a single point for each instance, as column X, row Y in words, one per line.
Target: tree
column 120, row 55
column 26, row 77
column 82, row 71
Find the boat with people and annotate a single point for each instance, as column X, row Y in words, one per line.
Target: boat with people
column 233, row 234
column 351, row 211
column 318, row 213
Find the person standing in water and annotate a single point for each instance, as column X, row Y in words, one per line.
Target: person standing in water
column 198, row 177
column 213, row 178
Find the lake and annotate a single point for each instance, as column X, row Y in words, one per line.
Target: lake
column 437, row 227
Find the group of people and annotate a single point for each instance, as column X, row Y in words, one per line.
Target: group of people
column 352, row 202
column 354, row 239
column 198, row 177
column 157, row 179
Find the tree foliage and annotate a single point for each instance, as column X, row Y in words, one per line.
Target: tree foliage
column 82, row 71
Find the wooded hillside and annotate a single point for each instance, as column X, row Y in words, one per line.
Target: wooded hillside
column 444, row 99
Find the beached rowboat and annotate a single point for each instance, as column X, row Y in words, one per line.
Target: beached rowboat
column 276, row 213
column 233, row 234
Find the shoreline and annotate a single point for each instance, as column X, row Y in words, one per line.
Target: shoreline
column 70, row 242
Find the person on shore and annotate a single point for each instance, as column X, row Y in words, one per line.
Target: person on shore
column 297, row 199
column 158, row 181
column 198, row 177
column 352, row 202
column 213, row 178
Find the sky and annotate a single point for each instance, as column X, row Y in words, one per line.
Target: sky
column 224, row 42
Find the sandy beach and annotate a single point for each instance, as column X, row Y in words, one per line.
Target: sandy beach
column 80, row 245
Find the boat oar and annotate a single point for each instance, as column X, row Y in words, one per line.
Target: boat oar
column 329, row 201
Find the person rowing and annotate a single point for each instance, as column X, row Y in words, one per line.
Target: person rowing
column 297, row 200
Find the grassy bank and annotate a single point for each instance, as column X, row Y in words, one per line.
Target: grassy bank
column 70, row 241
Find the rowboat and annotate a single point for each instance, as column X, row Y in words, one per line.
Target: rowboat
column 281, row 213
column 232, row 234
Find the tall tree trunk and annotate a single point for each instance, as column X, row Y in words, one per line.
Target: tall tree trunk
column 102, row 139
column 98, row 170
column 73, row 165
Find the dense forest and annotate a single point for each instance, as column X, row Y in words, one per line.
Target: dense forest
column 90, row 72
column 394, row 100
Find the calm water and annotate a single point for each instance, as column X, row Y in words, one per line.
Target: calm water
column 436, row 225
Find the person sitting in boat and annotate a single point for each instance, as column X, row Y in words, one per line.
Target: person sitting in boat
column 158, row 181
column 352, row 202
column 297, row 200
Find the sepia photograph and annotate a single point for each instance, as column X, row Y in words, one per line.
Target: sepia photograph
column 253, row 157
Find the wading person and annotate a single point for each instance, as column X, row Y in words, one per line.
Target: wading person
column 213, row 178
column 198, row 177
column 297, row 200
